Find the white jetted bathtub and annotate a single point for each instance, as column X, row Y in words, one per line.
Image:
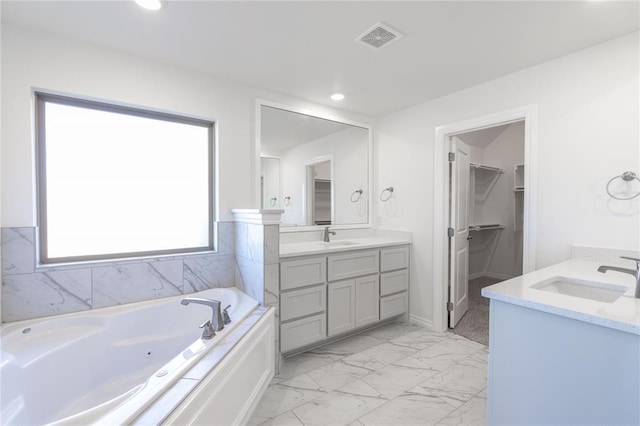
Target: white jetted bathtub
column 142, row 363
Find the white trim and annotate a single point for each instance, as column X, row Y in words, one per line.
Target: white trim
column 256, row 160
column 527, row 113
column 257, row 216
column 422, row 322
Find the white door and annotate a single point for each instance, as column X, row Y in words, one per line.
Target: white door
column 458, row 242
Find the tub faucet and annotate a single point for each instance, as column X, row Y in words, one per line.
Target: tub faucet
column 216, row 323
column 635, row 273
column 326, row 234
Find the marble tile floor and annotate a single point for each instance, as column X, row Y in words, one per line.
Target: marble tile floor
column 397, row 374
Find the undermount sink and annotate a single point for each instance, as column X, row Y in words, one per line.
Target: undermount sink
column 600, row 292
column 337, row 243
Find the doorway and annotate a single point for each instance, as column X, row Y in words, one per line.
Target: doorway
column 445, row 206
column 486, row 187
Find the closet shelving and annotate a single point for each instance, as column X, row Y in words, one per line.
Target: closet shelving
column 483, row 179
column 518, row 188
column 484, row 167
column 518, row 178
column 489, row 227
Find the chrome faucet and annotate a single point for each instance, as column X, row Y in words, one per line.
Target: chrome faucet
column 326, row 234
column 635, row 273
column 216, row 323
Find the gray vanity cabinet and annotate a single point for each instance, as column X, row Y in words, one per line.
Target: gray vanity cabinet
column 326, row 296
column 303, row 297
column 352, row 303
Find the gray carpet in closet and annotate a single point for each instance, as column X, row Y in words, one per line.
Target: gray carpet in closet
column 475, row 323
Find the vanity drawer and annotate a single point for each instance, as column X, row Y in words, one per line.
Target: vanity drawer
column 303, row 272
column 390, row 306
column 394, row 258
column 307, row 301
column 355, row 264
column 302, row 332
column 394, row 282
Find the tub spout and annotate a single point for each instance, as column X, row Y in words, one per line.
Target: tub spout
column 216, row 322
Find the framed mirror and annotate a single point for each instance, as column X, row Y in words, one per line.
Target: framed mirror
column 316, row 168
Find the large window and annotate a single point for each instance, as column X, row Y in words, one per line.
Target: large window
column 117, row 182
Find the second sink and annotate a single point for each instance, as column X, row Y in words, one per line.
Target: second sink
column 600, row 292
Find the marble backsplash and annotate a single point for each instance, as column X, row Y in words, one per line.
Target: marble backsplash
column 30, row 292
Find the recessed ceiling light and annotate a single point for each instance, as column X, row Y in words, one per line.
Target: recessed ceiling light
column 337, row 96
column 150, row 4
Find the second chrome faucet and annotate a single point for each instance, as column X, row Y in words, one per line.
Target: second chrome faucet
column 634, row 272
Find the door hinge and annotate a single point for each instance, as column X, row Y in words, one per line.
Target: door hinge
column 450, row 232
column 452, row 156
column 449, row 306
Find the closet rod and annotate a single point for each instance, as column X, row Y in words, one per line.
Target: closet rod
column 487, row 168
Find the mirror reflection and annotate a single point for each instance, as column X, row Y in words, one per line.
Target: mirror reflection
column 270, row 182
column 315, row 169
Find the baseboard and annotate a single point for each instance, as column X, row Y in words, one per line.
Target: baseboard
column 414, row 319
column 478, row 275
column 498, row 276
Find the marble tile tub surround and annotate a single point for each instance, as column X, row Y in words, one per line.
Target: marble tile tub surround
column 29, row 291
column 257, row 239
column 397, row 374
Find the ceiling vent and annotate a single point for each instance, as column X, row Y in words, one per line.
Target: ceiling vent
column 378, row 36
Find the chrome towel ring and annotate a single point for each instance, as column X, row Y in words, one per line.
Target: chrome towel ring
column 359, row 192
column 389, row 190
column 273, row 201
column 287, row 201
column 627, row 177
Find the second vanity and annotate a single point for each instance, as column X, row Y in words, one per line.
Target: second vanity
column 331, row 289
column 564, row 345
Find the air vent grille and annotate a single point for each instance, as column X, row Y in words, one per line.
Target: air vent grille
column 378, row 36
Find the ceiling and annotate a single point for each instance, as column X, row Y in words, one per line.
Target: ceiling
column 281, row 129
column 307, row 49
column 484, row 137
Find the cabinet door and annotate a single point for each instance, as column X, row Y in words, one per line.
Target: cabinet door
column 302, row 332
column 303, row 302
column 302, row 272
column 394, row 282
column 393, row 305
column 367, row 300
column 341, row 307
column 352, row 264
column 394, row 258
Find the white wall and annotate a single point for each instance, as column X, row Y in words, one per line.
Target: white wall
column 35, row 60
column 586, row 133
column 350, row 155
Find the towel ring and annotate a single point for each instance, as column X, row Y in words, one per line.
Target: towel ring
column 359, row 192
column 389, row 190
column 287, row 201
column 273, row 201
column 627, row 177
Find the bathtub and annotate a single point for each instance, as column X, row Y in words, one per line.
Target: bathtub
column 142, row 363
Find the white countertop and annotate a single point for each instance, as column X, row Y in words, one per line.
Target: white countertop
column 318, row 247
column 622, row 314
